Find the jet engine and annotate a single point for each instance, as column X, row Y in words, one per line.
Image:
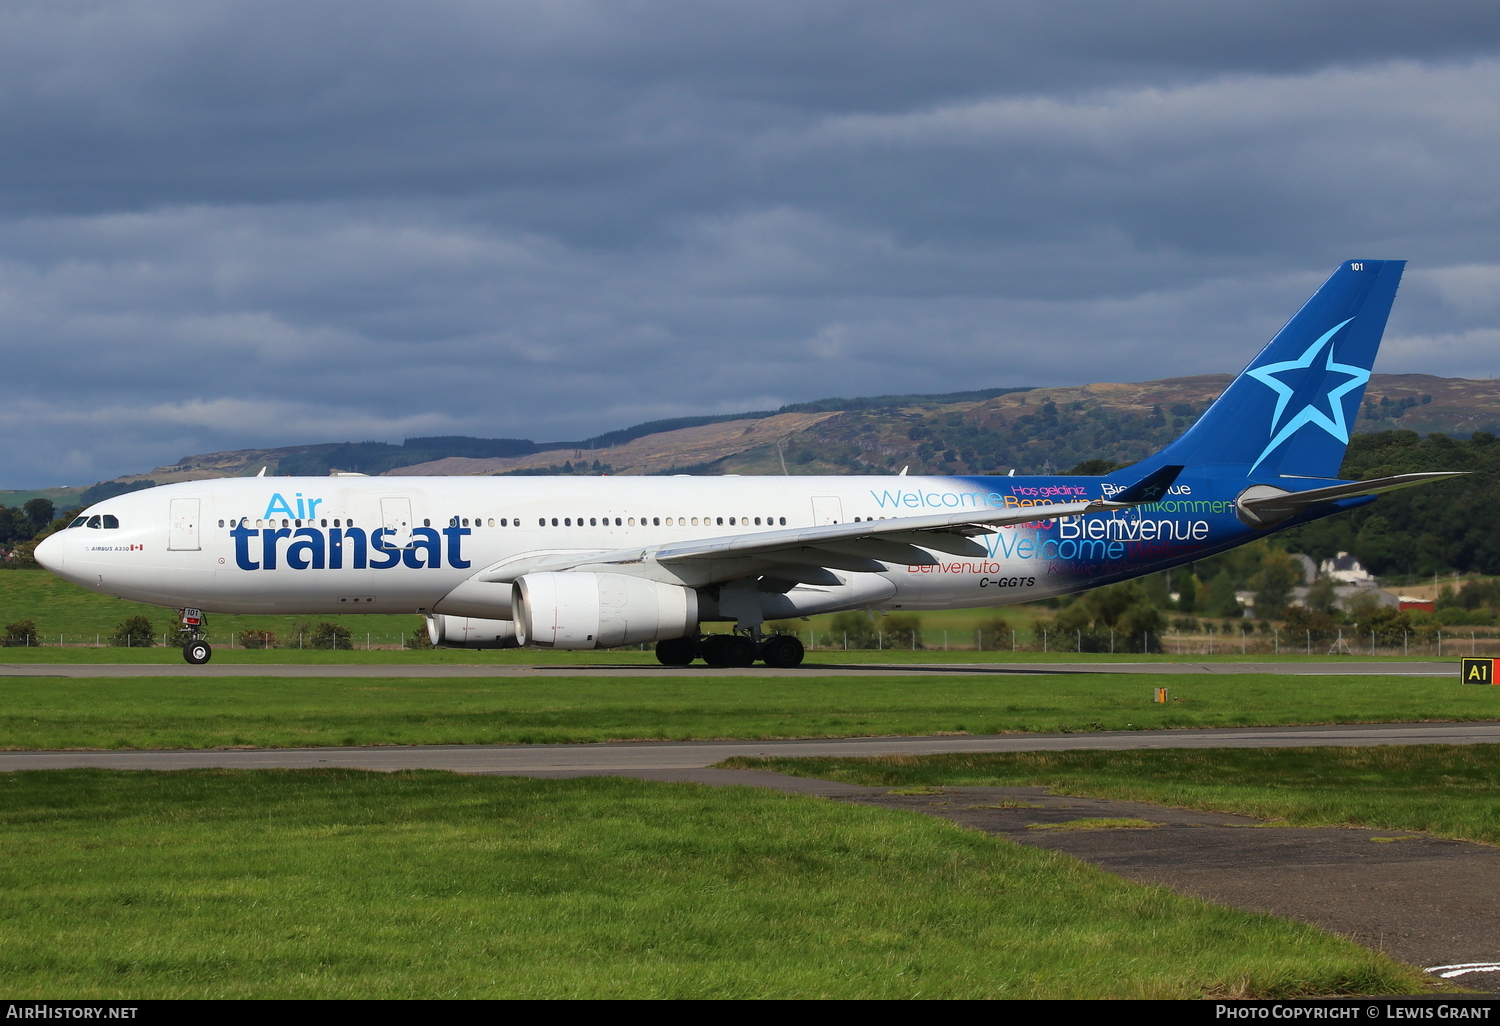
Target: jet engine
column 583, row 610
column 466, row 632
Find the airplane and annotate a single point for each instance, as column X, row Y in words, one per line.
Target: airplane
column 583, row 563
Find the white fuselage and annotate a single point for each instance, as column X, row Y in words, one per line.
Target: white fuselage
column 339, row 544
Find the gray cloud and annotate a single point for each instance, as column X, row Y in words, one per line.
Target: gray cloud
column 229, row 224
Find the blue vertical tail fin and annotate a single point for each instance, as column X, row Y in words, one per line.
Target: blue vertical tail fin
column 1289, row 413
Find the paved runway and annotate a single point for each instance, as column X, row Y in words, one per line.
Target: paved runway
column 811, row 669
column 631, row 758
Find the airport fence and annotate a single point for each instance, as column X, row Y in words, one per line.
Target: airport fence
column 1447, row 643
column 363, row 641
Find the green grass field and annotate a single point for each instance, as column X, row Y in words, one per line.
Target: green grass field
column 78, row 614
column 82, row 620
column 190, row 712
column 1448, row 790
column 424, row 885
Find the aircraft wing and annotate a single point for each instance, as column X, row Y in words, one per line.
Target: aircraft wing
column 1265, row 505
column 806, row 554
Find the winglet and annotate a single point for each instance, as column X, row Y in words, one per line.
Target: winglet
column 1149, row 488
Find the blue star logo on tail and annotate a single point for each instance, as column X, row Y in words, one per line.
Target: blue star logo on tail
column 1305, row 379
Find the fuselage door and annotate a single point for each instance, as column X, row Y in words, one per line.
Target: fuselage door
column 182, row 536
column 396, row 513
column 827, row 509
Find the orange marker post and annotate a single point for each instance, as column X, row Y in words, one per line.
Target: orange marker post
column 1161, row 696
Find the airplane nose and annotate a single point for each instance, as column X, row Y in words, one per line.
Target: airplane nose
column 49, row 553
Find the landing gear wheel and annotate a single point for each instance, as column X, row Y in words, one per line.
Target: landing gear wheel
column 781, row 650
column 728, row 650
column 197, row 652
column 676, row 651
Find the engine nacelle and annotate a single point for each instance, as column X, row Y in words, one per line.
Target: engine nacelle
column 582, row 610
column 466, row 632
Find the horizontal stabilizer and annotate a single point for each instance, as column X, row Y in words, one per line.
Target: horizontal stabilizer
column 1266, row 505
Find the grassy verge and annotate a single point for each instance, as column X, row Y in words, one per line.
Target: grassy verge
column 420, row 885
column 1445, row 789
column 172, row 656
column 60, row 608
column 191, row 712
column 78, row 617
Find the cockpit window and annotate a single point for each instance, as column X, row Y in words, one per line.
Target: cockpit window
column 111, row 522
column 94, row 521
column 78, row 522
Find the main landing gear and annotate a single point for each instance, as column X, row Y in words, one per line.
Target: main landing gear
column 780, row 650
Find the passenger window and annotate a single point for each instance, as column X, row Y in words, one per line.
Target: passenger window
column 632, row 521
column 719, row 521
column 112, row 522
column 617, row 521
column 322, row 523
column 783, row 521
column 93, row 521
column 593, row 521
column 655, row 521
column 731, row 521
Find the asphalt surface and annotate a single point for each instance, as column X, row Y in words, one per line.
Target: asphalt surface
column 810, row 669
column 634, row 757
column 1424, row 900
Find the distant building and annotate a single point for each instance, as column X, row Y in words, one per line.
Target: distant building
column 1346, row 568
column 1416, row 605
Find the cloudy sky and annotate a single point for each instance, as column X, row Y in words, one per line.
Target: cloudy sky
column 227, row 224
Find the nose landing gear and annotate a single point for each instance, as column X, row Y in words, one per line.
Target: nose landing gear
column 194, row 649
